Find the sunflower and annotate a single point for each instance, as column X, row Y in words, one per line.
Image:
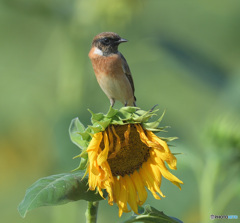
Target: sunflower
column 124, row 157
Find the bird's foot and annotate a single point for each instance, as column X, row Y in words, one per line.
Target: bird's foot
column 112, row 102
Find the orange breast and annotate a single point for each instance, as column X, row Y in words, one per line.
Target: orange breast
column 110, row 65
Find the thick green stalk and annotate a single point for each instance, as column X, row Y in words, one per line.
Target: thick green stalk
column 91, row 212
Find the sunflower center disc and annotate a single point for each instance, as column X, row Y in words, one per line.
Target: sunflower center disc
column 131, row 155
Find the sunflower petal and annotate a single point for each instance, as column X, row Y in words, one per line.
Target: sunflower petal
column 126, row 135
column 102, row 157
column 148, row 180
column 95, row 142
column 142, row 193
column 159, row 141
column 157, row 176
column 110, row 136
column 132, row 194
column 166, row 174
column 118, row 144
column 92, row 181
column 168, row 157
column 116, row 189
column 123, row 197
column 144, row 138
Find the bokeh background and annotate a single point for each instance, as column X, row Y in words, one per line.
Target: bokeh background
column 184, row 56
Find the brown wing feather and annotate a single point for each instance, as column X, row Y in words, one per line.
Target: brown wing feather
column 127, row 72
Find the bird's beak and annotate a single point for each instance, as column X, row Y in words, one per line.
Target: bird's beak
column 122, row 40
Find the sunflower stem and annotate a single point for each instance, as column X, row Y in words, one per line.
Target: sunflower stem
column 91, row 212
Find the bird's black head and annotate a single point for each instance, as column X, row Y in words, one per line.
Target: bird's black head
column 107, row 42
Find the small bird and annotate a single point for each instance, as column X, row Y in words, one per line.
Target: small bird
column 111, row 68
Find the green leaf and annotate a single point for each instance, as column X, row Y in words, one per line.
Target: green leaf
column 128, row 109
column 112, row 112
column 143, row 118
column 124, row 115
column 75, row 130
column 96, row 117
column 117, row 121
column 104, row 123
column 152, row 125
column 152, row 215
column 168, row 139
column 83, row 161
column 56, row 190
column 95, row 129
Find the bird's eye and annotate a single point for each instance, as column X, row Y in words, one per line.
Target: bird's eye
column 106, row 41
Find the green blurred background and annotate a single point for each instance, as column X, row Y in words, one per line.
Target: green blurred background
column 184, row 56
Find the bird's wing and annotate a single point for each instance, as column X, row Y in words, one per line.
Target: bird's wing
column 127, row 71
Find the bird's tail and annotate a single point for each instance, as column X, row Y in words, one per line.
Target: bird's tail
column 131, row 102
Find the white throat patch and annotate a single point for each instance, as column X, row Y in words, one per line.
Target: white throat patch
column 98, row 51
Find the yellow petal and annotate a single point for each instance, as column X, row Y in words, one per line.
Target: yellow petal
column 148, row 180
column 168, row 157
column 110, row 136
column 100, row 192
column 95, row 142
column 93, row 149
column 102, row 175
column 116, row 189
column 93, row 152
column 92, row 181
column 155, row 173
column 123, row 196
column 132, row 194
column 107, row 172
column 102, row 157
column 109, row 188
column 94, row 168
column 126, row 135
column 165, row 172
column 144, row 138
column 118, row 144
column 117, row 194
column 157, row 140
column 142, row 193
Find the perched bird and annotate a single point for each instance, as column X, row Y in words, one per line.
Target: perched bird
column 111, row 68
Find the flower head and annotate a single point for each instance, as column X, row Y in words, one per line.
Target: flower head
column 126, row 157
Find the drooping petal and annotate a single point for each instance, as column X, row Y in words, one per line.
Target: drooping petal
column 168, row 157
column 157, row 140
column 154, row 172
column 92, row 180
column 165, row 172
column 116, row 189
column 107, row 174
column 109, row 188
column 100, row 192
column 148, row 180
column 139, row 185
column 122, row 197
column 95, row 142
column 132, row 194
column 110, row 137
column 94, row 168
column 118, row 144
column 144, row 138
column 102, row 157
column 92, row 152
column 126, row 135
